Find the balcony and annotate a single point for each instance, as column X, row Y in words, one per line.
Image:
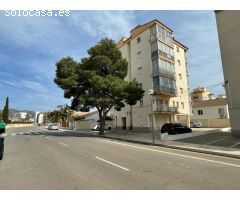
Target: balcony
column 164, row 71
column 158, row 52
column 166, row 40
column 166, row 109
column 165, row 90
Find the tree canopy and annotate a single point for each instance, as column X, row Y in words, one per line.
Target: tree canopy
column 62, row 114
column 98, row 80
column 5, row 112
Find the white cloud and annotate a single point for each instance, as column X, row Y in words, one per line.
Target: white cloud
column 113, row 24
column 32, row 85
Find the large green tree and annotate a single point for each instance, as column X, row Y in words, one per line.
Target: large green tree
column 5, row 112
column 98, row 80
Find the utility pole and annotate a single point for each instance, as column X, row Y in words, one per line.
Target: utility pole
column 151, row 92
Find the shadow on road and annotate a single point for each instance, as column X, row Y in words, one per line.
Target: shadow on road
column 59, row 134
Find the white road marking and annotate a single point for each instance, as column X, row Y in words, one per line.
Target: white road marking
column 175, row 154
column 214, row 141
column 112, row 163
column 63, row 144
column 13, row 134
column 235, row 145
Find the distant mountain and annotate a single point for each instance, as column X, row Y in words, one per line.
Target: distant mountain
column 12, row 112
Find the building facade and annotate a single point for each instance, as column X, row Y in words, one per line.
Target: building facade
column 159, row 63
column 228, row 27
column 201, row 94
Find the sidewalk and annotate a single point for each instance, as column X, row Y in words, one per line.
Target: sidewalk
column 18, row 125
column 146, row 138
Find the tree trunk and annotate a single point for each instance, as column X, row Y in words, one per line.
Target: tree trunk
column 102, row 117
column 101, row 130
column 131, row 118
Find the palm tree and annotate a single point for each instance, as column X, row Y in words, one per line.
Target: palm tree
column 65, row 113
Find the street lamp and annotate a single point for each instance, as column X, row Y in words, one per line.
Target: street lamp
column 151, row 92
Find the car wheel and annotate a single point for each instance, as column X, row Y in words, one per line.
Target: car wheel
column 109, row 128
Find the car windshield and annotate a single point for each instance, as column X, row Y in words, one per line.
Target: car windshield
column 180, row 125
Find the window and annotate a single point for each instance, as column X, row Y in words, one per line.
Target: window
column 173, row 103
column 166, row 82
column 181, row 90
column 153, row 31
column 155, row 65
column 166, row 102
column 200, row 112
column 177, row 49
column 179, row 63
column 182, row 105
column 171, row 51
column 138, row 39
column 177, row 105
column 139, row 70
column 154, row 46
column 221, row 112
column 139, row 52
column 141, row 103
column 180, row 76
column 155, row 83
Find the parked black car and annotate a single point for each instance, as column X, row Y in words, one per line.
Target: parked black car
column 175, row 128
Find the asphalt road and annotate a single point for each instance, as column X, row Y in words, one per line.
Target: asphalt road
column 38, row 159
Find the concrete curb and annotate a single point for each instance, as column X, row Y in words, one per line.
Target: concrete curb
column 176, row 147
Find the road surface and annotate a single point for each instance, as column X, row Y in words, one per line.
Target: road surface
column 39, row 159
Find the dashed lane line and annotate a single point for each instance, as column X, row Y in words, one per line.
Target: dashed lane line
column 111, row 163
column 63, row 144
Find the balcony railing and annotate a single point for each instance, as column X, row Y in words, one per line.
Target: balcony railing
column 165, row 90
column 164, row 71
column 168, row 109
column 158, row 52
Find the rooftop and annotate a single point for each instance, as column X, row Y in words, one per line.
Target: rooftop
column 141, row 28
column 211, row 102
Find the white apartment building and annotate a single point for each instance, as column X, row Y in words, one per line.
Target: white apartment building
column 21, row 115
column 159, row 63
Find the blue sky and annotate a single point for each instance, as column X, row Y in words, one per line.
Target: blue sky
column 30, row 47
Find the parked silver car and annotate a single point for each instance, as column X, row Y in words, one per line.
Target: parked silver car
column 196, row 124
column 96, row 127
column 52, row 126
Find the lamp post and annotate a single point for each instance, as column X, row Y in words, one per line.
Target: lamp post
column 151, row 92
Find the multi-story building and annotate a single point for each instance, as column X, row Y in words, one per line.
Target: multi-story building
column 201, row 94
column 228, row 27
column 159, row 63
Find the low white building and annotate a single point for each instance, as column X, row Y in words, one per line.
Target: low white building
column 86, row 120
column 211, row 113
column 21, row 115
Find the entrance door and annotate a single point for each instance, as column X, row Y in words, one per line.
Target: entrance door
column 124, row 122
